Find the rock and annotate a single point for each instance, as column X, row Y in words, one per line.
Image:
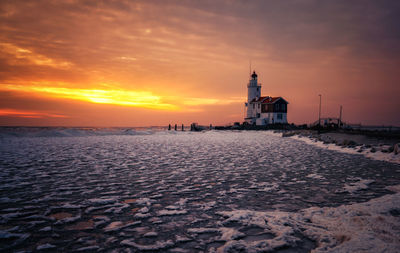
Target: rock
column 349, row 143
column 373, row 150
column 352, row 143
column 396, row 148
column 288, row 134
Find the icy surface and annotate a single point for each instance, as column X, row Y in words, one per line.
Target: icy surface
column 378, row 155
column 159, row 191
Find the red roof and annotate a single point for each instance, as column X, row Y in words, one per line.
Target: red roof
column 267, row 100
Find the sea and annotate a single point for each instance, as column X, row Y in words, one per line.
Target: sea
column 153, row 190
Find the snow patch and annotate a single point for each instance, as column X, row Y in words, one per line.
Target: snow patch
column 361, row 227
column 362, row 184
column 378, row 155
column 171, row 212
column 159, row 245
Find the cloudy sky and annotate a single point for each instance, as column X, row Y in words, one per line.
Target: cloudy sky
column 141, row 63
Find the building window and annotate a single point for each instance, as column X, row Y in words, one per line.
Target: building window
column 258, row 115
column 279, row 116
column 258, row 106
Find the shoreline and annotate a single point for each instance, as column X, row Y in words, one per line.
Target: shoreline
column 383, row 149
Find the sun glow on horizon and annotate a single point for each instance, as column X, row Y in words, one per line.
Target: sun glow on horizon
column 142, row 99
column 122, row 97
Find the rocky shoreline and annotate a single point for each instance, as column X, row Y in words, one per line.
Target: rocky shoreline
column 374, row 147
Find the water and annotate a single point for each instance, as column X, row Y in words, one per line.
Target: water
column 99, row 190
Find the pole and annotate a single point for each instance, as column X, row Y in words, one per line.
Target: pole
column 244, row 110
column 319, row 114
column 250, row 67
column 340, row 118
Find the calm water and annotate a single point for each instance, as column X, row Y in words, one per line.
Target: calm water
column 166, row 191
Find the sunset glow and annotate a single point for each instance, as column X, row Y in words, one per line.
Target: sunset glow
column 153, row 63
column 115, row 97
column 28, row 114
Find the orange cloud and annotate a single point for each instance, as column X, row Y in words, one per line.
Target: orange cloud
column 20, row 53
column 123, row 97
column 28, row 114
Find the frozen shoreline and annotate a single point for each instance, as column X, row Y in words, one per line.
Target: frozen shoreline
column 371, row 226
column 345, row 143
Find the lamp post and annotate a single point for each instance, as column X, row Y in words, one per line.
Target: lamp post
column 319, row 114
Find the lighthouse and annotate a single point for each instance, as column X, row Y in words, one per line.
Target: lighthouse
column 253, row 92
column 265, row 110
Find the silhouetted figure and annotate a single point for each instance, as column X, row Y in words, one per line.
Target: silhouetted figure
column 176, row 127
column 183, row 128
column 169, row 127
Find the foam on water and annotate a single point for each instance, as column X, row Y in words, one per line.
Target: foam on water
column 228, row 191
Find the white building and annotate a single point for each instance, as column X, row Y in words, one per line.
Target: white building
column 263, row 110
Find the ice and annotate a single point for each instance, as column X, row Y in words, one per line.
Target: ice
column 142, row 215
column 228, row 234
column 144, row 209
column 46, row 246
column 71, row 132
column 179, row 238
column 362, row 184
column 45, row 229
column 379, row 155
column 202, row 230
column 68, row 220
column 315, row 176
column 88, row 248
column 117, row 209
column 150, row 234
column 144, row 201
column 113, row 226
column 159, row 245
column 206, row 206
column 101, row 201
column 171, row 212
column 348, row 228
column 171, row 207
column 192, row 192
column 70, row 206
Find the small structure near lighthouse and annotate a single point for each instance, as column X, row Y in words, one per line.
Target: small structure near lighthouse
column 265, row 110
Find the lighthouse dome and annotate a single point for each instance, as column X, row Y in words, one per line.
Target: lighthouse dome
column 254, row 75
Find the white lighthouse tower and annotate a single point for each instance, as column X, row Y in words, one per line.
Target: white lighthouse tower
column 253, row 91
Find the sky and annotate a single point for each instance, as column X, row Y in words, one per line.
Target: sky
column 154, row 63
